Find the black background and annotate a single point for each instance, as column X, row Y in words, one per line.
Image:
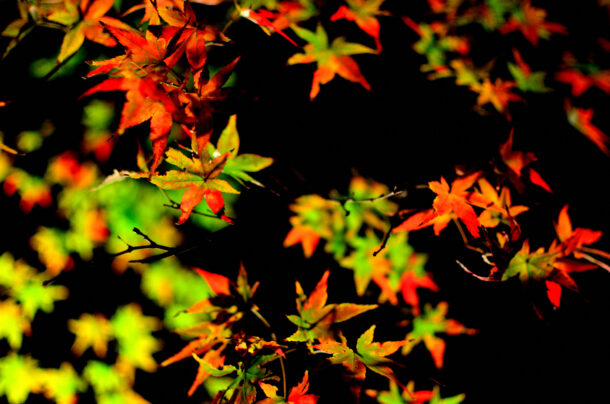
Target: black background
column 406, row 131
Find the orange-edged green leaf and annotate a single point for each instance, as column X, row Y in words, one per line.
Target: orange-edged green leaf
column 343, row 355
column 175, row 179
column 373, row 354
column 211, row 364
column 425, row 327
column 316, row 317
column 177, row 158
column 213, row 168
column 228, row 142
column 72, row 42
column 527, row 265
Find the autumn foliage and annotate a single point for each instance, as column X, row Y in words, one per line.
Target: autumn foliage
column 197, row 219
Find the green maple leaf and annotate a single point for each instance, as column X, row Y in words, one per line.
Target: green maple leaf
column 536, row 265
column 369, row 354
column 103, row 377
column 362, row 261
column 238, row 166
column 63, row 384
column 528, row 81
column 13, row 324
column 34, row 296
column 316, row 318
column 133, row 332
column 425, row 327
column 19, row 376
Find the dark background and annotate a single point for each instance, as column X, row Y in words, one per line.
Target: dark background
column 406, row 131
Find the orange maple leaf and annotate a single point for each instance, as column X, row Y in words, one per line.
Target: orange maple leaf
column 304, row 235
column 453, row 203
column 498, row 93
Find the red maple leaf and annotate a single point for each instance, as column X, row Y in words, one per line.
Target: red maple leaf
column 531, row 22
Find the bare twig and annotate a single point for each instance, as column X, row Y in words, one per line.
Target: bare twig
column 596, row 262
column 479, row 277
column 152, row 245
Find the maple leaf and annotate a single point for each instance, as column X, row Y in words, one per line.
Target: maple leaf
column 409, row 395
column 239, row 166
column 369, row 266
column 211, row 364
column 284, row 14
column 363, row 13
column 497, row 93
column 306, row 236
column 581, row 82
column 133, row 332
column 531, row 22
column 331, row 59
column 93, row 12
column 19, row 376
column 316, row 317
column 408, row 284
column 199, row 178
column 62, row 385
column 145, row 100
column 453, row 202
column 296, row 396
column 527, row 265
column 198, row 107
column 369, row 354
column 430, row 323
column 13, row 324
column 191, row 36
column 297, row 393
column 572, row 240
column 518, row 163
column 580, row 119
column 498, row 207
column 261, row 18
column 91, row 330
column 524, row 77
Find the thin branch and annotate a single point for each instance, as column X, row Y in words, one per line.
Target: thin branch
column 465, row 238
column 394, row 193
column 479, row 277
column 596, row 262
column 595, row 251
column 152, row 245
